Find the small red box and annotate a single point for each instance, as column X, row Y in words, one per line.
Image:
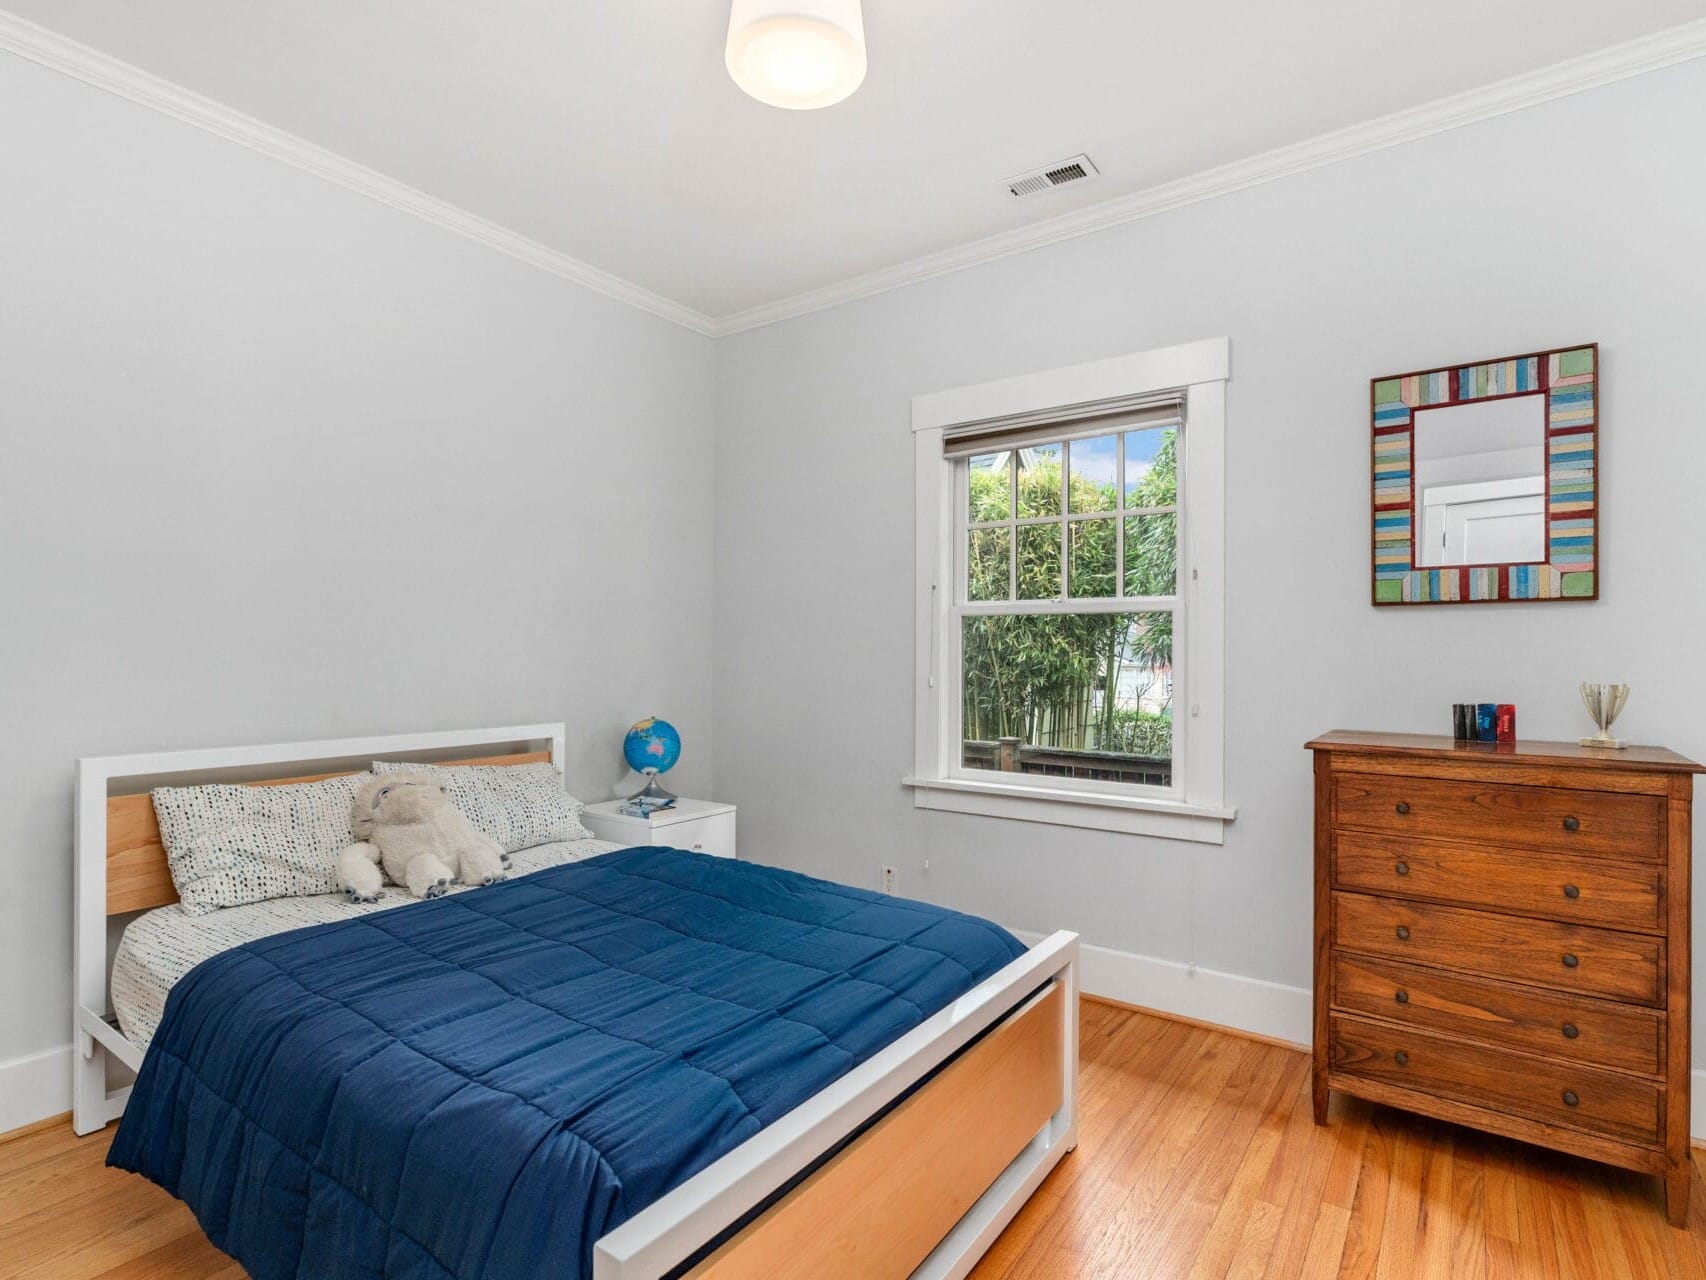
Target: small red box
column 1504, row 723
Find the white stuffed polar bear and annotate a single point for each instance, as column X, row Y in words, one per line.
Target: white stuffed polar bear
column 406, row 824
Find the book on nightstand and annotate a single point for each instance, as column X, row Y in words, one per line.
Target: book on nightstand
column 643, row 808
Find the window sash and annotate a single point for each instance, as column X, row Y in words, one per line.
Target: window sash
column 971, row 526
column 955, row 708
column 961, row 607
column 964, row 527
column 1069, row 606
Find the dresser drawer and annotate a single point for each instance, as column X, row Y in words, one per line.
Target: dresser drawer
column 1599, row 962
column 1602, row 1102
column 1511, row 1017
column 1547, row 818
column 1588, row 890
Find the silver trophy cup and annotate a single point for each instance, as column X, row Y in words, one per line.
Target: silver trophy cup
column 1603, row 702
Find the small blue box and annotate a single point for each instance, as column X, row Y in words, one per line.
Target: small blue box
column 1486, row 721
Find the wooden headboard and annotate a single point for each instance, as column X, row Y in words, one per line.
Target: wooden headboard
column 137, row 875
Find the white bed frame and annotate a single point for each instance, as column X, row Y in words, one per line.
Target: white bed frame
column 684, row 1222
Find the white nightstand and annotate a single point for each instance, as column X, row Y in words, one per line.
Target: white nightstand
column 701, row 825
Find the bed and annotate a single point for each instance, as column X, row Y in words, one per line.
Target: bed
column 161, row 946
column 884, row 1118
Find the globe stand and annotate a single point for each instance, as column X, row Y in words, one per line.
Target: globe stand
column 652, row 793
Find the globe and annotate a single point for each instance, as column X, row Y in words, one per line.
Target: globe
column 652, row 744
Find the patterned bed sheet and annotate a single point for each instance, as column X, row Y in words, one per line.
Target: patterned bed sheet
column 159, row 947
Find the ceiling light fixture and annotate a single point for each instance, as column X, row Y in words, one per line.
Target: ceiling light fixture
column 797, row 54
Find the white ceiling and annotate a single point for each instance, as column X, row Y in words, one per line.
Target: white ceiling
column 610, row 131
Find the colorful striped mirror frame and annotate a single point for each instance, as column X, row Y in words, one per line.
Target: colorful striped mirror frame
column 1568, row 379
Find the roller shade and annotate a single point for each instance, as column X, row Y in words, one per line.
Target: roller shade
column 1093, row 420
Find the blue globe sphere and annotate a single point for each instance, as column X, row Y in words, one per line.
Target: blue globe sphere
column 652, row 744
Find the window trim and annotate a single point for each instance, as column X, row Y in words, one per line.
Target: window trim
column 1196, row 809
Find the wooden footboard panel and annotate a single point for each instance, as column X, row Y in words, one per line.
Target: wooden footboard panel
column 876, row 1209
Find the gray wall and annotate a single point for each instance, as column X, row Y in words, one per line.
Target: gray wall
column 276, row 462
column 1575, row 221
column 279, row 462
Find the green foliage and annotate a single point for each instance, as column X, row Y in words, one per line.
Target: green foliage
column 1139, row 733
column 1037, row 677
column 1160, row 485
column 991, row 491
column 1034, row 676
column 1151, row 549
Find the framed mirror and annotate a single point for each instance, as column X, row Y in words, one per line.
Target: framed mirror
column 1484, row 481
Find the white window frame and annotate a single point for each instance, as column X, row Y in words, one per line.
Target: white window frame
column 1194, row 808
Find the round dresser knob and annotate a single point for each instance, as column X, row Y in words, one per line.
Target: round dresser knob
column 1403, row 933
column 1572, row 824
column 1402, row 997
column 1570, row 962
column 1403, row 1059
column 1572, row 892
column 1570, row 1098
column 1403, row 806
column 1570, row 1032
column 1403, row 868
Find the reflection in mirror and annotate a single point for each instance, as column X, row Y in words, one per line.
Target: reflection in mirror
column 1480, row 482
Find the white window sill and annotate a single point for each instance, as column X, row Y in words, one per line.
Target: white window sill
column 1130, row 815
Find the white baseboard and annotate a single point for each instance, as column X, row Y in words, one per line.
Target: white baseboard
column 1233, row 1001
column 34, row 1088
column 1207, row 995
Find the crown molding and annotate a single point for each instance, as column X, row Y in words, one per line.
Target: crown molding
column 1619, row 62
column 38, row 44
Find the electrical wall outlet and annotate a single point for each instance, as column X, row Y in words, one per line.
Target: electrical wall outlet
column 889, row 877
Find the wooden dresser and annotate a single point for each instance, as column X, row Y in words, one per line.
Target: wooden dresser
column 1502, row 940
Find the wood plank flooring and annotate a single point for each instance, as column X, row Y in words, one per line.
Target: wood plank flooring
column 1197, row 1160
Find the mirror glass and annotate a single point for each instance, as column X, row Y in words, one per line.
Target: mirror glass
column 1480, row 482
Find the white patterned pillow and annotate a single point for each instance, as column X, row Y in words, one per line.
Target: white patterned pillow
column 518, row 805
column 230, row 844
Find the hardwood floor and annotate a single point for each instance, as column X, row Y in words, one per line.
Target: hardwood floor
column 1197, row 1160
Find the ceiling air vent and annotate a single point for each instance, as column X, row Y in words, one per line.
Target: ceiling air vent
column 1077, row 169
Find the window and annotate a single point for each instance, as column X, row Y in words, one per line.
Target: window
column 1069, row 601
column 1065, row 600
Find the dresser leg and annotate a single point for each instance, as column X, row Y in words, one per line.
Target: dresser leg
column 1677, row 1185
column 1318, row 1094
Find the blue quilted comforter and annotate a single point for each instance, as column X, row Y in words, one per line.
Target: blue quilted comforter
column 485, row 1084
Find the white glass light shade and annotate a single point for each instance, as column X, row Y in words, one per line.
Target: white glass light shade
column 797, row 54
